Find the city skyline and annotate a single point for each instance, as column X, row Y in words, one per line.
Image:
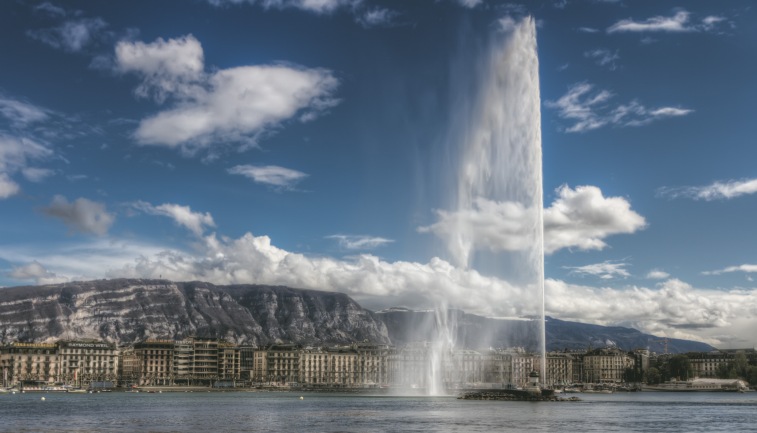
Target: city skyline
column 305, row 143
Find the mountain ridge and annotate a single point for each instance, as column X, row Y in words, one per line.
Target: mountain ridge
column 130, row 310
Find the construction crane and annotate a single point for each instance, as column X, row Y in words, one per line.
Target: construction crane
column 664, row 341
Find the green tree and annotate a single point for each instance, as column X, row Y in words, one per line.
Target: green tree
column 740, row 365
column 752, row 375
column 653, row 376
column 679, row 367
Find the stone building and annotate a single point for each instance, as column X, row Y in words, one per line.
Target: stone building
column 155, row 362
column 29, row 364
column 83, row 362
column 607, row 365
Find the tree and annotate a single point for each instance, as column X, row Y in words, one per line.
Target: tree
column 679, row 367
column 653, row 376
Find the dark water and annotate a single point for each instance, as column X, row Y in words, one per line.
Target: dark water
column 275, row 412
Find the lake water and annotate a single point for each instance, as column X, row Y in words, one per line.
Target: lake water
column 286, row 412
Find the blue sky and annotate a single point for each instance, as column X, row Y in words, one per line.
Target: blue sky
column 304, row 142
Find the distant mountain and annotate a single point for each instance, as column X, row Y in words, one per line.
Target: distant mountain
column 126, row 311
column 474, row 331
column 130, row 310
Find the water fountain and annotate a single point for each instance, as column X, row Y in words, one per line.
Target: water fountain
column 495, row 222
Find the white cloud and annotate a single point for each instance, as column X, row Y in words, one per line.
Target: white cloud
column 167, row 67
column 315, row 6
column 15, row 155
column 253, row 259
column 469, row 3
column 195, row 222
column 487, row 225
column 589, row 109
column 678, row 23
column 51, row 9
column 578, row 218
column 376, row 17
column 19, row 113
column 606, row 270
column 360, row 242
column 272, row 175
column 34, row 271
column 73, row 35
column 741, row 268
column 657, row 274
column 233, row 105
column 35, row 174
column 582, row 217
column 673, row 308
column 80, row 261
column 716, row 191
column 587, row 30
column 8, row 187
column 710, row 22
column 81, row 215
column 603, row 57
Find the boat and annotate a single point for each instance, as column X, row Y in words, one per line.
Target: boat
column 700, row 385
column 77, row 391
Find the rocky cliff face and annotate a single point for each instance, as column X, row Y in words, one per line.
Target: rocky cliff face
column 126, row 311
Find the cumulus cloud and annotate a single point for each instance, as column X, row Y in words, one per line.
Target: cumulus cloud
column 488, row 225
column 606, row 270
column 603, row 57
column 166, row 67
column 750, row 269
column 657, row 274
column 360, row 242
column 582, row 217
column 37, row 273
column 589, row 109
column 578, row 218
column 678, row 23
column 715, row 191
column 672, row 308
column 16, row 153
column 81, row 215
column 183, row 216
column 85, row 260
column 72, row 35
column 272, row 175
column 233, row 105
column 254, row 259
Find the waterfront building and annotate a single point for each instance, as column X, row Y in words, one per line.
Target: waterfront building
column 372, row 364
column 183, row 354
column 246, row 362
column 81, row 363
column 128, row 367
column 607, row 365
column 154, row 362
column 277, row 364
column 229, row 364
column 559, row 369
column 29, row 364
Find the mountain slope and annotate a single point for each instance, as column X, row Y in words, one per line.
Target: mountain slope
column 478, row 332
column 125, row 311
